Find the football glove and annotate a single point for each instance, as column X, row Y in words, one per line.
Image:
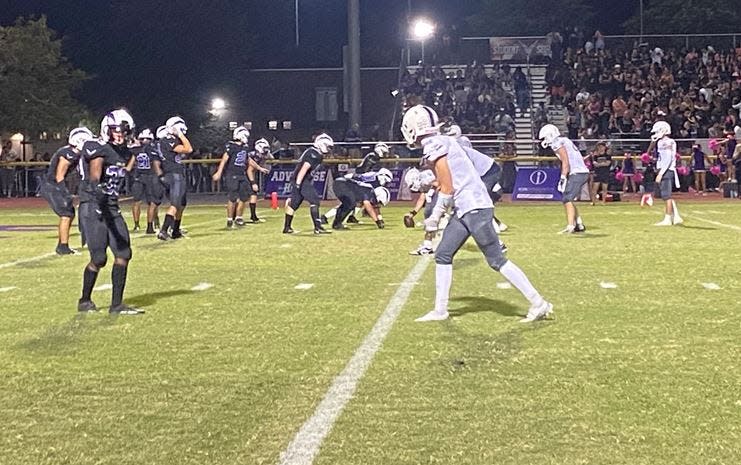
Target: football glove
column 561, row 184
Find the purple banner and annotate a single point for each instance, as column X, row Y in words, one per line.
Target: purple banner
column 279, row 180
column 537, row 184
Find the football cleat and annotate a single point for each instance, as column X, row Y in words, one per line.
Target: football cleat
column 678, row 220
column 352, row 220
column 150, row 231
column 664, row 222
column 239, row 222
column 86, row 306
column 339, row 227
column 434, row 316
column 580, row 228
column 538, row 312
column 256, row 220
column 422, row 250
column 319, row 231
column 289, row 231
column 64, row 249
column 163, row 236
column 136, row 228
column 568, row 230
column 229, row 224
column 177, row 234
column 503, row 227
column 380, row 224
column 324, row 219
column 123, row 309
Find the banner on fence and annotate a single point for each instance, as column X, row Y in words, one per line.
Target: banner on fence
column 279, row 180
column 537, row 184
column 518, row 49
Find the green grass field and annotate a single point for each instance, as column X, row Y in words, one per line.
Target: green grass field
column 646, row 372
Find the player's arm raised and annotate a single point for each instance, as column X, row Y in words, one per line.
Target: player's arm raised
column 184, row 148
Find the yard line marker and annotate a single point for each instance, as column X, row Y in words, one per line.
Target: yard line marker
column 711, row 286
column 304, row 286
column 103, row 287
column 285, row 246
column 201, row 287
column 606, row 285
column 7, row 289
column 504, row 286
column 305, row 445
column 27, row 260
column 717, row 223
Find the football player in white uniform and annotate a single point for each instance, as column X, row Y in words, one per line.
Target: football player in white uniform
column 667, row 173
column 461, row 188
column 574, row 174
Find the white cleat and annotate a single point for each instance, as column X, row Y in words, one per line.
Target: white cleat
column 678, row 220
column 422, row 250
column 538, row 312
column 664, row 222
column 568, row 230
column 434, row 316
column 503, row 227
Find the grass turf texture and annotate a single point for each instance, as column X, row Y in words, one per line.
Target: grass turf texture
column 646, row 373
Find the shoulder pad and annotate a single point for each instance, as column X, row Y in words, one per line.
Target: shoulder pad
column 436, row 147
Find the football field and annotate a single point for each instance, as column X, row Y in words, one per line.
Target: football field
column 260, row 348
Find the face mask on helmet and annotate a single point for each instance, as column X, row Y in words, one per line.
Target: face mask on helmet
column 242, row 134
column 548, row 133
column 145, row 135
column 262, row 146
column 419, row 121
column 384, row 176
column 382, row 195
column 419, row 181
column 381, row 149
column 176, row 124
column 161, row 132
column 116, row 126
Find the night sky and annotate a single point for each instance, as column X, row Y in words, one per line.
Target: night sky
column 161, row 57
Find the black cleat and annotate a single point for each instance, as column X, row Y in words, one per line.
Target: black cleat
column 256, row 220
column 580, row 228
column 229, row 224
column 339, row 227
column 288, row 231
column 239, row 222
column 324, row 219
column 86, row 306
column 352, row 220
column 320, row 231
column 123, row 309
column 503, row 247
column 136, row 228
column 177, row 234
column 163, row 236
column 63, row 249
column 150, row 231
column 380, row 224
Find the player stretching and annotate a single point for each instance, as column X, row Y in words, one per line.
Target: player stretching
column 172, row 149
column 667, row 175
column 574, row 174
column 461, row 188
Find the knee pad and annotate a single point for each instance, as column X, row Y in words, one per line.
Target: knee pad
column 443, row 258
column 294, row 204
column 124, row 254
column 495, row 258
column 99, row 259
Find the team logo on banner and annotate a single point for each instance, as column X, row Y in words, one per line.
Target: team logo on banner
column 537, row 184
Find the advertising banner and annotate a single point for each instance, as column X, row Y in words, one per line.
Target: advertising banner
column 537, row 184
column 518, row 49
column 279, row 180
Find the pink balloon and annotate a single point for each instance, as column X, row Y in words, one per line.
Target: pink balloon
column 715, row 169
column 645, row 158
column 713, row 144
column 619, row 176
column 638, row 177
column 677, row 156
column 683, row 171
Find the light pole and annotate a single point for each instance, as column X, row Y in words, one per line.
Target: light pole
column 641, row 15
column 422, row 29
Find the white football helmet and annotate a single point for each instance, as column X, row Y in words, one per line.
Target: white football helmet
column 116, row 120
column 145, row 134
column 241, row 134
column 323, row 143
column 419, row 121
column 419, row 181
column 381, row 149
column 174, row 123
column 262, row 146
column 382, row 195
column 384, row 176
column 161, row 132
column 660, row 129
column 548, row 133
column 454, row 131
column 78, row 137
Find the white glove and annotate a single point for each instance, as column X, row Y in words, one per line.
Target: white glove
column 431, row 224
column 561, row 184
column 349, row 175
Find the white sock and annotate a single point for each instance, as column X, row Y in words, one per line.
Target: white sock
column 496, row 226
column 443, row 280
column 517, row 278
column 668, row 218
column 674, row 209
column 427, row 244
column 380, row 217
column 331, row 213
column 238, row 218
column 578, row 221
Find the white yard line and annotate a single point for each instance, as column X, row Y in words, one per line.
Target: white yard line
column 716, row 223
column 202, row 287
column 26, row 260
column 305, row 445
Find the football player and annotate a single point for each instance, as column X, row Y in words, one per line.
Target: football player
column 257, row 159
column 472, row 213
column 173, row 147
column 146, row 186
column 103, row 168
column 302, row 184
column 55, row 191
column 234, row 161
column 372, row 160
column 352, row 190
column 423, row 182
column 574, row 174
column 667, row 175
column 370, row 180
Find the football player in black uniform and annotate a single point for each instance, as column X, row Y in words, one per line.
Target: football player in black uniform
column 172, row 149
column 55, row 191
column 363, row 186
column 234, row 162
column 372, row 160
column 103, row 166
column 351, row 191
column 257, row 159
column 302, row 184
column 146, row 186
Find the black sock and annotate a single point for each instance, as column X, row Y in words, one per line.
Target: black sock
column 118, row 278
column 169, row 219
column 136, row 224
column 314, row 211
column 176, row 226
column 287, row 222
column 253, row 211
column 88, row 282
column 150, row 226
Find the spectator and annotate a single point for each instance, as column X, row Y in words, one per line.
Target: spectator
column 7, row 173
column 522, row 89
column 602, row 162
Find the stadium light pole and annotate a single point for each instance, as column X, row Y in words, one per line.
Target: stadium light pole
column 296, row 19
column 422, row 29
column 641, row 15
